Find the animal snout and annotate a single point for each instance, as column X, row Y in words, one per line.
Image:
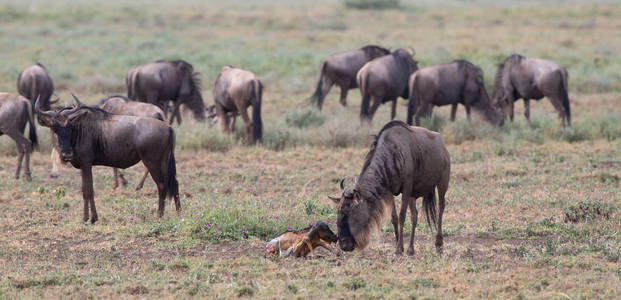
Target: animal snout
column 346, row 244
column 66, row 155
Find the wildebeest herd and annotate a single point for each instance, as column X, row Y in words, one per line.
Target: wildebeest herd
column 121, row 131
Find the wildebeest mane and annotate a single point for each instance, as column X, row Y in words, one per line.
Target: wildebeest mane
column 102, row 101
column 41, row 65
column 500, row 73
column 403, row 61
column 370, row 50
column 371, row 153
column 471, row 70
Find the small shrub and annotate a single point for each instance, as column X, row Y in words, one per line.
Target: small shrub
column 303, row 118
column 244, row 290
column 457, row 132
column 372, row 4
column 355, row 283
column 590, row 210
column 433, row 123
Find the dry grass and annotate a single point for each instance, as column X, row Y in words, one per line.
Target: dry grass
column 510, row 191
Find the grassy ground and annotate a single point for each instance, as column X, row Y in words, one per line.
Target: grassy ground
column 531, row 213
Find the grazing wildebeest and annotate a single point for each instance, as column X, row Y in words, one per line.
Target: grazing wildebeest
column 235, row 90
column 36, row 82
column 15, row 111
column 406, row 160
column 385, row 79
column 89, row 136
column 162, row 81
column 120, row 105
column 531, row 78
column 341, row 69
column 457, row 82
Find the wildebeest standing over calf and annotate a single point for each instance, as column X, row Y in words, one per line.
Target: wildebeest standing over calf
column 457, row 82
column 162, row 81
column 89, row 136
column 120, row 105
column 341, row 69
column 385, row 79
column 531, row 78
column 15, row 112
column 36, row 82
column 235, row 90
column 406, row 160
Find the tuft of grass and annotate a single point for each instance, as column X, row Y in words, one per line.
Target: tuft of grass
column 303, row 118
column 355, row 283
column 372, row 4
column 587, row 210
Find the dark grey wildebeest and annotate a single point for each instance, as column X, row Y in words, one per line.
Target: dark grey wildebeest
column 406, row 160
column 120, row 105
column 234, row 91
column 162, row 81
column 15, row 112
column 457, row 82
column 89, row 136
column 36, row 82
column 385, row 79
column 341, row 69
column 531, row 78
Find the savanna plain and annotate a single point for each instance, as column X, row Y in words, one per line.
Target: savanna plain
column 531, row 212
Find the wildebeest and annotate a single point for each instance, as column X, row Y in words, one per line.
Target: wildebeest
column 234, row 91
column 36, row 82
column 531, row 78
column 89, row 136
column 15, row 112
column 341, row 69
column 457, row 82
column 120, row 105
column 385, row 79
column 300, row 243
column 406, row 160
column 162, row 81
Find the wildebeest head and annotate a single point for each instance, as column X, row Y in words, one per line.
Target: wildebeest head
column 352, row 216
column 61, row 122
column 374, row 51
column 191, row 88
column 502, row 82
column 325, row 233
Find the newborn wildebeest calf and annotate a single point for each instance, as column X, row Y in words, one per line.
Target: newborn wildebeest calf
column 299, row 243
column 89, row 136
column 406, row 160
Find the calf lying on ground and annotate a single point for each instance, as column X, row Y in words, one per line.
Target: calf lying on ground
column 301, row 242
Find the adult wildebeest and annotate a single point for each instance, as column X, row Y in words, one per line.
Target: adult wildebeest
column 15, row 111
column 120, row 105
column 341, row 69
column 89, row 136
column 385, row 79
column 406, row 160
column 457, row 82
column 36, row 82
column 531, row 78
column 162, row 81
column 235, row 90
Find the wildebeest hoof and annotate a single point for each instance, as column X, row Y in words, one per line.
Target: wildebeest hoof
column 138, row 187
column 410, row 252
column 93, row 220
column 28, row 178
column 53, row 175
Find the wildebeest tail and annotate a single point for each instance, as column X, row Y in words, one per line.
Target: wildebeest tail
column 316, row 97
column 132, row 85
column 364, row 106
column 257, row 124
column 429, row 205
column 32, row 133
column 172, row 186
column 564, row 96
column 412, row 101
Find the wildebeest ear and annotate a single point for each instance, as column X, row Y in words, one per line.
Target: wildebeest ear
column 76, row 116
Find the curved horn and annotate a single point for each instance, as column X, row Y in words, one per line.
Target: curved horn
column 77, row 100
column 336, row 199
column 51, row 114
column 55, row 100
column 342, row 184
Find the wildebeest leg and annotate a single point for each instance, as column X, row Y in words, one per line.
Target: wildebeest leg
column 453, row 111
column 223, row 118
column 424, row 110
column 115, row 173
column 247, row 123
column 414, row 219
column 527, row 111
column 141, row 183
column 511, row 107
column 442, row 188
column 405, row 199
column 557, row 103
column 468, row 112
column 157, row 173
column 175, row 114
column 327, row 247
column 19, row 142
column 344, row 89
column 87, row 193
column 232, row 124
column 395, row 222
column 376, row 104
column 55, row 158
column 393, row 109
